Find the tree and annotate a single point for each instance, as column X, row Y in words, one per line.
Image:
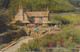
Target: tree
column 3, row 27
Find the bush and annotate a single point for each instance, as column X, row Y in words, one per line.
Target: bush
column 10, row 36
column 57, row 41
column 3, row 27
column 56, row 22
column 61, row 20
column 22, row 32
column 19, row 23
column 13, row 27
column 13, row 35
column 23, row 48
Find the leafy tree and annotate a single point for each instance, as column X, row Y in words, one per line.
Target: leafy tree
column 3, row 27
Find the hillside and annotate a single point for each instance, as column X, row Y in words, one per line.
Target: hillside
column 50, row 23
column 9, row 8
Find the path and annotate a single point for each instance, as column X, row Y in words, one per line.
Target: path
column 16, row 46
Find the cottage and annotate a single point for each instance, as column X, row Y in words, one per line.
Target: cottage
column 39, row 17
column 36, row 17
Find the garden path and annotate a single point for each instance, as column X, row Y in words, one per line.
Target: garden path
column 17, row 45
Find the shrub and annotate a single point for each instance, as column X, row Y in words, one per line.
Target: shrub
column 61, row 20
column 3, row 27
column 19, row 23
column 23, row 48
column 22, row 32
column 33, row 45
column 13, row 27
column 9, row 36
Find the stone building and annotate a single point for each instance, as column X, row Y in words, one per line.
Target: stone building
column 21, row 15
column 36, row 17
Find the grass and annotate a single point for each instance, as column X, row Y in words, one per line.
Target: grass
column 69, row 17
column 72, row 18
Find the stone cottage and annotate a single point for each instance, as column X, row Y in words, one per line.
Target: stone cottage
column 36, row 17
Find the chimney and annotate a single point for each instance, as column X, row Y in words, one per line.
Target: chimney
column 21, row 11
column 20, row 6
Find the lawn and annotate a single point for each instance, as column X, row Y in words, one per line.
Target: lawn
column 70, row 16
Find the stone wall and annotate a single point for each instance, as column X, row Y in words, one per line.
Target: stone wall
column 45, row 19
column 41, row 20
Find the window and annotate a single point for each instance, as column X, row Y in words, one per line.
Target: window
column 40, row 18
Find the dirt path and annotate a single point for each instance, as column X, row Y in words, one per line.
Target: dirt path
column 16, row 46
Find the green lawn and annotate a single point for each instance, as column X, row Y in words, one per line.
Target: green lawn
column 72, row 18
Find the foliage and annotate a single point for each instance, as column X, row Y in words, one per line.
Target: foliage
column 4, row 19
column 75, row 2
column 22, row 32
column 13, row 27
column 56, row 22
column 13, row 35
column 68, row 37
column 45, row 25
column 9, row 8
column 41, row 5
column 72, row 17
column 59, row 6
column 59, row 39
column 19, row 23
column 73, row 32
column 3, row 27
column 61, row 20
column 23, row 48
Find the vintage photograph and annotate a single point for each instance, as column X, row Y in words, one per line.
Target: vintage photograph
column 39, row 25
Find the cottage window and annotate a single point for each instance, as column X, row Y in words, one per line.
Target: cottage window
column 40, row 18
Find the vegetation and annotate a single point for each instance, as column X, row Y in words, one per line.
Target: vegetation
column 2, row 46
column 9, row 8
column 68, row 37
column 3, row 27
column 19, row 23
column 75, row 2
column 56, row 40
column 40, row 5
column 64, row 19
column 60, row 20
column 13, row 35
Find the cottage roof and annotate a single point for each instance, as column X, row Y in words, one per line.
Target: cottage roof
column 40, row 14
